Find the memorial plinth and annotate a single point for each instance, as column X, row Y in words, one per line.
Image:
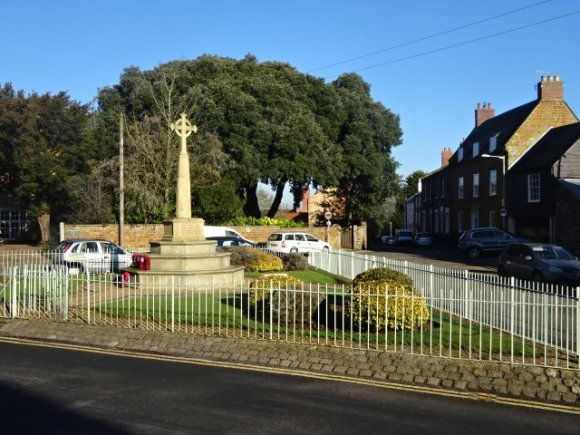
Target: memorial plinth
column 183, row 258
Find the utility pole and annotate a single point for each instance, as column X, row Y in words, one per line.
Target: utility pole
column 121, row 181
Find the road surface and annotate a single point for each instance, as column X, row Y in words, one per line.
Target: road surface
column 61, row 391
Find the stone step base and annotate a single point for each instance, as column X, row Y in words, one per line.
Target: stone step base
column 231, row 276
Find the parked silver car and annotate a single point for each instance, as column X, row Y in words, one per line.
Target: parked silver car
column 423, row 239
column 94, row 255
column 541, row 262
column 295, row 242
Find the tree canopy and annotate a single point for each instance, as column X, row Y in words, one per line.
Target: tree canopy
column 276, row 125
column 258, row 123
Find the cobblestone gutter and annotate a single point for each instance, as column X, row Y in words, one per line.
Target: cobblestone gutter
column 526, row 382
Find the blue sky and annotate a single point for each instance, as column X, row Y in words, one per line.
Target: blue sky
column 434, row 85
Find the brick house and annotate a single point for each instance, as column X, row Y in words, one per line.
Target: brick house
column 503, row 166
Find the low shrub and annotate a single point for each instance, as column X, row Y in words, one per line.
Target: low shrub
column 255, row 260
column 384, row 299
column 295, row 261
column 285, row 299
column 260, row 287
column 386, row 275
column 264, row 221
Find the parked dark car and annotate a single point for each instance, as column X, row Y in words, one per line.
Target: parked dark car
column 488, row 240
column 387, row 240
column 228, row 242
column 541, row 262
column 403, row 237
column 423, row 239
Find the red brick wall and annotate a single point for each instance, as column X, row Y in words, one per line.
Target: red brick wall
column 138, row 237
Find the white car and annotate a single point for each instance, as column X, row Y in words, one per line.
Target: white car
column 95, row 256
column 287, row 243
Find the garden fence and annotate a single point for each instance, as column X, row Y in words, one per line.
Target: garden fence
column 469, row 315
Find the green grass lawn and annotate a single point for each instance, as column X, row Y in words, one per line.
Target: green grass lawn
column 448, row 334
column 309, row 275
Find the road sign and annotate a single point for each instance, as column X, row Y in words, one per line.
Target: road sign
column 503, row 212
column 328, row 215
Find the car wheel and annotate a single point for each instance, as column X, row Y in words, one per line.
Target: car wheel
column 537, row 276
column 474, row 253
column 326, row 249
column 501, row 270
column 293, row 250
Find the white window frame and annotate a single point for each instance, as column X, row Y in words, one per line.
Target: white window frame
column 476, row 185
column 460, row 187
column 493, row 182
column 475, row 149
column 534, row 188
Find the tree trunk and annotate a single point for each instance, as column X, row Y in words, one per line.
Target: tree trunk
column 251, row 207
column 44, row 224
column 278, row 198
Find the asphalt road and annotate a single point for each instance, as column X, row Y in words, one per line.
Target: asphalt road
column 438, row 256
column 56, row 391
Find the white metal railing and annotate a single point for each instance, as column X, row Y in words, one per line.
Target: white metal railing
column 471, row 315
column 541, row 312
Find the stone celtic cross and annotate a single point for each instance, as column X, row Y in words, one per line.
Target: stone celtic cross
column 183, row 128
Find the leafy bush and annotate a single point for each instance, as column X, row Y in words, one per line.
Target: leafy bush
column 283, row 298
column 260, row 287
column 385, row 275
column 263, row 221
column 255, row 260
column 295, row 261
column 383, row 299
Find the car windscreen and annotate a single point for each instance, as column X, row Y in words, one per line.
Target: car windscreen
column 275, row 237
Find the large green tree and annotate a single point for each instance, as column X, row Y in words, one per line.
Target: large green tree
column 368, row 131
column 45, row 140
column 278, row 126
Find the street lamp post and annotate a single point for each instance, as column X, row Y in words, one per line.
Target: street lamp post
column 503, row 211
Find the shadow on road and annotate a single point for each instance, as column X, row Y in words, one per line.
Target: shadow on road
column 30, row 413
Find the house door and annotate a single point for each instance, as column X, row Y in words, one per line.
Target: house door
column 474, row 217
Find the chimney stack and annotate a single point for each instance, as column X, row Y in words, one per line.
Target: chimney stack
column 305, row 200
column 446, row 154
column 484, row 113
column 550, row 88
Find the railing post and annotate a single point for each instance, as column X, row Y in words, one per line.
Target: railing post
column 466, row 296
column 173, row 303
column 578, row 321
column 13, row 292
column 431, row 280
column 512, row 314
column 271, row 299
column 88, row 299
column 352, row 274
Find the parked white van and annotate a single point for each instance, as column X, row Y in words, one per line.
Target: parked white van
column 209, row 231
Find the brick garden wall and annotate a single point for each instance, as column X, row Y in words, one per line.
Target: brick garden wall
column 138, row 237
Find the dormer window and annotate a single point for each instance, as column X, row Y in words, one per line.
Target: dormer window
column 492, row 143
column 460, row 154
column 475, row 149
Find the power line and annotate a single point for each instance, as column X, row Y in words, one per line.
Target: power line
column 459, row 44
column 434, row 35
